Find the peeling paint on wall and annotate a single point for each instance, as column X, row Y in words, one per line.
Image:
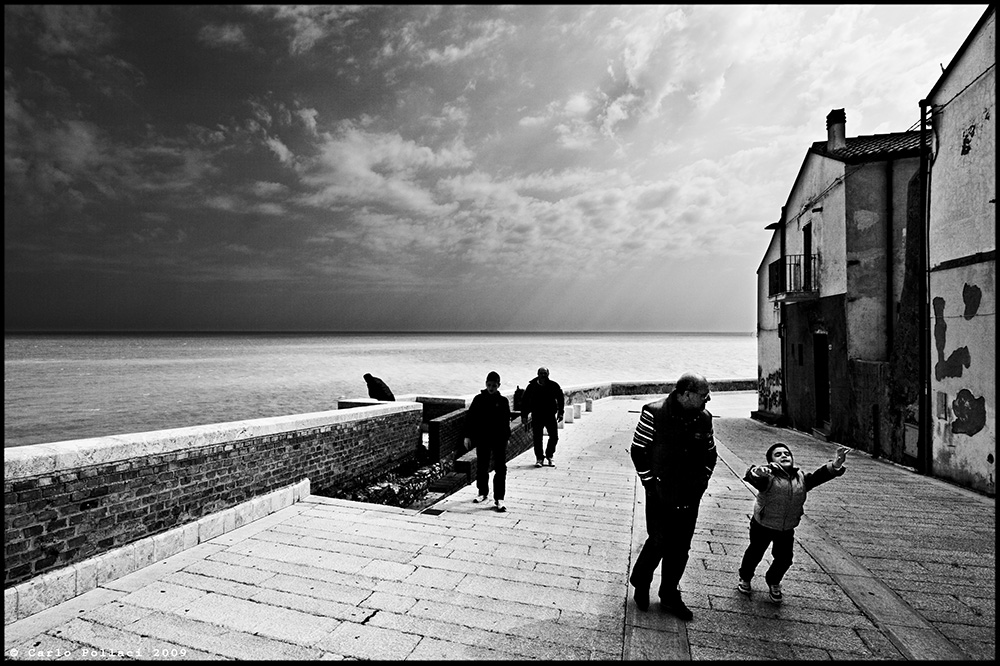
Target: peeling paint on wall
column 973, row 296
column 958, row 358
column 970, row 413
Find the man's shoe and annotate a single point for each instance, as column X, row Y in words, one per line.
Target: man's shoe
column 774, row 591
column 480, row 499
column 675, row 606
column 549, row 462
column 538, row 463
column 641, row 597
column 499, row 507
column 744, row 587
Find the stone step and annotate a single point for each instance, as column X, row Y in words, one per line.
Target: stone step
column 448, row 483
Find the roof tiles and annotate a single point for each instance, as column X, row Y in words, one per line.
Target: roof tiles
column 876, row 146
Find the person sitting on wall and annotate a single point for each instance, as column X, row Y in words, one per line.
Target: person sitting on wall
column 377, row 389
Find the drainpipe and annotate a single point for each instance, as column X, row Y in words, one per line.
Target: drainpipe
column 924, row 446
column 889, row 297
column 781, row 325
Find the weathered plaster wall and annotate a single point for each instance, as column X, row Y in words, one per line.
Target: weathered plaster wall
column 868, row 249
column 817, row 174
column 963, row 382
column 769, row 389
column 962, row 248
column 963, row 172
column 866, row 262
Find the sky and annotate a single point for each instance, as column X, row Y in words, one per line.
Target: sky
column 427, row 168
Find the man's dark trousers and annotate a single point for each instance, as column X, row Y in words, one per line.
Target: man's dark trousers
column 547, row 421
column 670, row 531
column 496, row 449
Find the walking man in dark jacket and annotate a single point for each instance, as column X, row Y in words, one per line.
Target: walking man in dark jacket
column 487, row 426
column 543, row 399
column 674, row 454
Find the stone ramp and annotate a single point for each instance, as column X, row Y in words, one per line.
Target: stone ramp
column 334, row 579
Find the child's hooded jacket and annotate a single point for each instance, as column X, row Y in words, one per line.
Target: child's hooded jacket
column 782, row 494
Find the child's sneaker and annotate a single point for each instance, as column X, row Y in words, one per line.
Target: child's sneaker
column 774, row 591
column 744, row 587
column 480, row 499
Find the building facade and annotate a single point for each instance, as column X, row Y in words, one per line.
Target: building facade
column 876, row 295
column 830, row 289
column 961, row 252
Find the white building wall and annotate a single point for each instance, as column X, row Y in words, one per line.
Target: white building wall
column 769, row 376
column 963, row 171
column 962, row 228
column 828, row 238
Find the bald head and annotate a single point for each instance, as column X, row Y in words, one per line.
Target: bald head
column 692, row 391
column 691, row 381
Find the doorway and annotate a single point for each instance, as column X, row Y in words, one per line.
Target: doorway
column 821, row 369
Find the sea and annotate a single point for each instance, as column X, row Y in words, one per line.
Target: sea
column 77, row 386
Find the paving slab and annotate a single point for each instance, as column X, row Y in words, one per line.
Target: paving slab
column 888, row 565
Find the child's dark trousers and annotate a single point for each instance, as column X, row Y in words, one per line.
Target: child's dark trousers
column 781, row 552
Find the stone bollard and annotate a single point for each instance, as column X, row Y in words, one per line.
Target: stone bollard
column 568, row 414
column 590, row 404
column 576, row 411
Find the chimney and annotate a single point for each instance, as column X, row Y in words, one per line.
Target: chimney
column 836, row 130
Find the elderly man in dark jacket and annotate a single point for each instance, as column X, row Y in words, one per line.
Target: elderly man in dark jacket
column 543, row 398
column 674, row 454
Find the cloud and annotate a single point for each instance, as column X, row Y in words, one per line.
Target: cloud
column 358, row 167
column 280, row 149
column 308, row 118
column 486, row 34
column 400, row 146
column 64, row 30
column 310, row 24
column 223, row 36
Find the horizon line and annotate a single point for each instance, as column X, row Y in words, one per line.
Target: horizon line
column 343, row 332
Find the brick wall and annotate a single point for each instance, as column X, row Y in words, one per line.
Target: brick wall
column 519, row 442
column 439, row 406
column 66, row 502
column 444, row 437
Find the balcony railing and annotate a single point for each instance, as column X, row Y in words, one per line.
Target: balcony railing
column 794, row 277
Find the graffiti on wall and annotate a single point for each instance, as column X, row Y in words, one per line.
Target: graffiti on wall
column 769, row 391
column 969, row 411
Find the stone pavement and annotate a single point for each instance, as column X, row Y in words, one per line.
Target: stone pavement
column 888, row 565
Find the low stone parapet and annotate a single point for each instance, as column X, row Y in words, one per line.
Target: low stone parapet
column 67, row 502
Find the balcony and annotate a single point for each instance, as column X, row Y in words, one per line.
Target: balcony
column 793, row 278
